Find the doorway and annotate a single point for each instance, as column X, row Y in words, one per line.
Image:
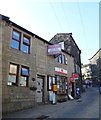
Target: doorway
column 73, row 91
column 40, row 89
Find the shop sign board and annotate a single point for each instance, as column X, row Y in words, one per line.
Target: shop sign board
column 54, row 49
column 75, row 75
column 75, row 78
column 62, row 45
column 72, row 79
column 61, row 71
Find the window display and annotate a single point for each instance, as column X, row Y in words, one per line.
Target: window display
column 61, row 84
column 51, row 81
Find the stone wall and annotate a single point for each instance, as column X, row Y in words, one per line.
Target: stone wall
column 95, row 62
column 17, row 97
column 0, row 67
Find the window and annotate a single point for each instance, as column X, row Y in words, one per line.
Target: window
column 24, row 71
column 26, row 45
column 24, row 76
column 50, row 82
column 61, row 59
column 13, row 74
column 57, row 59
column 62, row 84
column 77, row 69
column 16, row 41
column 16, row 38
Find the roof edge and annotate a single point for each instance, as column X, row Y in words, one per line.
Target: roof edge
column 29, row 32
column 95, row 54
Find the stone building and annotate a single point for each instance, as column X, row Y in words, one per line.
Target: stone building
column 86, row 73
column 95, row 62
column 71, row 47
column 29, row 74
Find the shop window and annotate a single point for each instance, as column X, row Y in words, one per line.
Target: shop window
column 61, row 84
column 61, row 59
column 51, row 81
column 16, row 38
column 26, row 44
column 24, row 76
column 13, row 74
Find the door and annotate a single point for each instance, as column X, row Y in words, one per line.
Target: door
column 39, row 91
column 72, row 93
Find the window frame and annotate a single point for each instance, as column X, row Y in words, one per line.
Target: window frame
column 61, row 59
column 62, row 83
column 18, row 40
column 27, row 44
column 17, row 70
column 25, row 68
column 23, row 75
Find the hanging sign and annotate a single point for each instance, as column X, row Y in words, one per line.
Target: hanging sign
column 72, row 79
column 60, row 70
column 75, row 75
column 54, row 49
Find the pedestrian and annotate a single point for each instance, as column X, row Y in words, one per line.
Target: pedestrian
column 51, row 96
column 78, row 92
column 54, row 98
column 86, row 84
column 90, row 83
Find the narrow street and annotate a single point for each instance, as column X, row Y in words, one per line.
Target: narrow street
column 86, row 107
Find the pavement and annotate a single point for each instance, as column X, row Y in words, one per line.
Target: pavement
column 43, row 111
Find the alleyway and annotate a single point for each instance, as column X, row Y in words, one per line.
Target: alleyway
column 86, row 107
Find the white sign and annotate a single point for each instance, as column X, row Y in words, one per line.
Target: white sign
column 54, row 49
column 62, row 45
column 60, row 70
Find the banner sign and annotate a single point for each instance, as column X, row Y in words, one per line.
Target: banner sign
column 60, row 70
column 54, row 49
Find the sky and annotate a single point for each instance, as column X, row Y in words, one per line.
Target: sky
column 46, row 18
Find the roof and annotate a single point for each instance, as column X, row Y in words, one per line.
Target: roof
column 86, row 65
column 69, row 34
column 95, row 54
column 5, row 18
column 27, row 31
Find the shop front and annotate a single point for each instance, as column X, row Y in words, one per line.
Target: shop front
column 58, row 85
column 72, row 85
column 62, row 85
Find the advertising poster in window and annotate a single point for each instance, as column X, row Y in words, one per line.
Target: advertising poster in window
column 49, row 86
